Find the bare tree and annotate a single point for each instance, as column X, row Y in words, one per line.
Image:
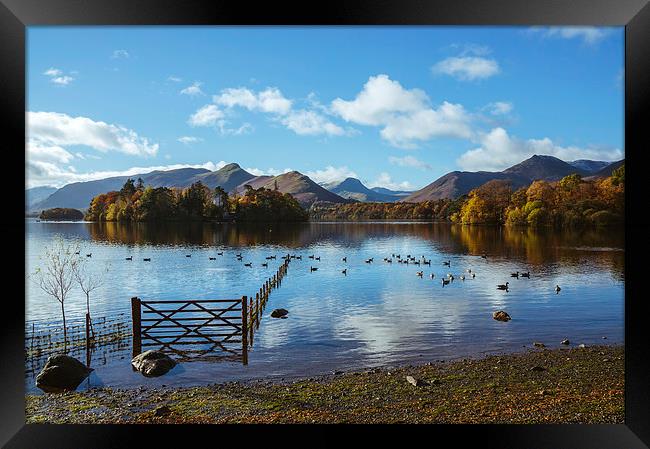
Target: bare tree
column 88, row 282
column 57, row 275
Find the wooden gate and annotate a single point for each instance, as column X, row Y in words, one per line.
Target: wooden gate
column 201, row 325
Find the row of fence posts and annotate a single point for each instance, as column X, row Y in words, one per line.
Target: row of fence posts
column 252, row 309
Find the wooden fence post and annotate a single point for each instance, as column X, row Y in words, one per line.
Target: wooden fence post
column 257, row 311
column 251, row 323
column 136, row 327
column 244, row 329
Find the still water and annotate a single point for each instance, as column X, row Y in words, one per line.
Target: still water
column 377, row 314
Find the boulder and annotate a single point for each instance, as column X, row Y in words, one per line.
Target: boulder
column 501, row 316
column 61, row 373
column 153, row 363
column 279, row 313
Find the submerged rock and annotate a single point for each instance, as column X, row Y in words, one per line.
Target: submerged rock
column 153, row 363
column 501, row 316
column 279, row 313
column 61, row 373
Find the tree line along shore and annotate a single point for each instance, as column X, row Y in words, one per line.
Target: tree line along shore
column 571, row 202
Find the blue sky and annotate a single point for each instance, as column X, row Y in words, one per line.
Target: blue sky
column 394, row 106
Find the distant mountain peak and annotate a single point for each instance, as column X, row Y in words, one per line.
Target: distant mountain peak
column 231, row 166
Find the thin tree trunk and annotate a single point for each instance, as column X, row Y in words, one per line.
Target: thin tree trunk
column 65, row 330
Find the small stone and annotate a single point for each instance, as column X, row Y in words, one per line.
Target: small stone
column 582, row 346
column 538, row 368
column 565, row 342
column 501, row 315
column 162, row 411
column 415, row 382
column 539, row 344
column 279, row 313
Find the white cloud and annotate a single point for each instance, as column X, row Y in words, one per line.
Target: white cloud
column 52, row 153
column 189, row 139
column 385, row 180
column 268, row 171
column 174, row 79
column 589, row 35
column 304, row 122
column 499, row 108
column 224, row 130
column 57, row 129
column 53, row 72
column 41, row 173
column 120, row 54
column 193, row 90
column 404, row 115
column 57, row 77
column 499, row 151
column 331, row 174
column 409, row 161
column 270, row 100
column 467, row 68
column 208, row 115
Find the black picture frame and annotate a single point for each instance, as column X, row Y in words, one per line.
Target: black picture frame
column 16, row 15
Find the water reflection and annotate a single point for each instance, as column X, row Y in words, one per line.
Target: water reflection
column 534, row 247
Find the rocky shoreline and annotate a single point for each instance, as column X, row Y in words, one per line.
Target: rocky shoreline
column 567, row 385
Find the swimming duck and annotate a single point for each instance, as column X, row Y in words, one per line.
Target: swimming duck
column 129, row 258
column 265, row 265
column 249, row 264
column 432, row 275
column 147, row 259
column 419, row 273
column 448, row 263
column 345, row 271
column 462, row 277
column 345, row 259
column 313, row 268
column 503, row 286
column 445, row 282
column 557, row 289
column 311, row 257
column 473, row 275
column 220, row 254
column 212, row 258
column 89, row 255
column 188, row 255
column 514, row 275
column 526, row 274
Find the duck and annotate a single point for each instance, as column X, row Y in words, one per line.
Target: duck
column 265, row 265
column 238, row 255
column 220, row 254
column 345, row 271
column 473, row 275
column 419, row 273
column 298, row 257
column 503, row 286
column 445, row 282
column 147, row 259
column 129, row 258
column 212, row 258
column 345, row 259
column 451, row 277
column 427, row 262
column 416, row 263
column 432, row 275
column 89, row 255
column 317, row 258
column 77, row 253
column 313, row 268
column 447, row 263
column 469, row 270
column 249, row 264
column 274, row 257
column 515, row 274
column 188, row 255
column 311, row 257
column 390, row 261
column 484, row 256
column 462, row 277
column 557, row 289
column 368, row 260
column 526, row 274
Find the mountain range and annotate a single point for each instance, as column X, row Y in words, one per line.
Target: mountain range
column 232, row 178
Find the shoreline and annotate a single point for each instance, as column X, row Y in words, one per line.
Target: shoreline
column 565, row 385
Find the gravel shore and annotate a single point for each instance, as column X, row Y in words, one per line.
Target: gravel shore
column 568, row 385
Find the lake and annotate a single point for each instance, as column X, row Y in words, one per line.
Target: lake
column 378, row 314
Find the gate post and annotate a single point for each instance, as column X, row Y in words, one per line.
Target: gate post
column 136, row 326
column 244, row 329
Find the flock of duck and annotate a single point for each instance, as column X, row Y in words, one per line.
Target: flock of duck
column 408, row 260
